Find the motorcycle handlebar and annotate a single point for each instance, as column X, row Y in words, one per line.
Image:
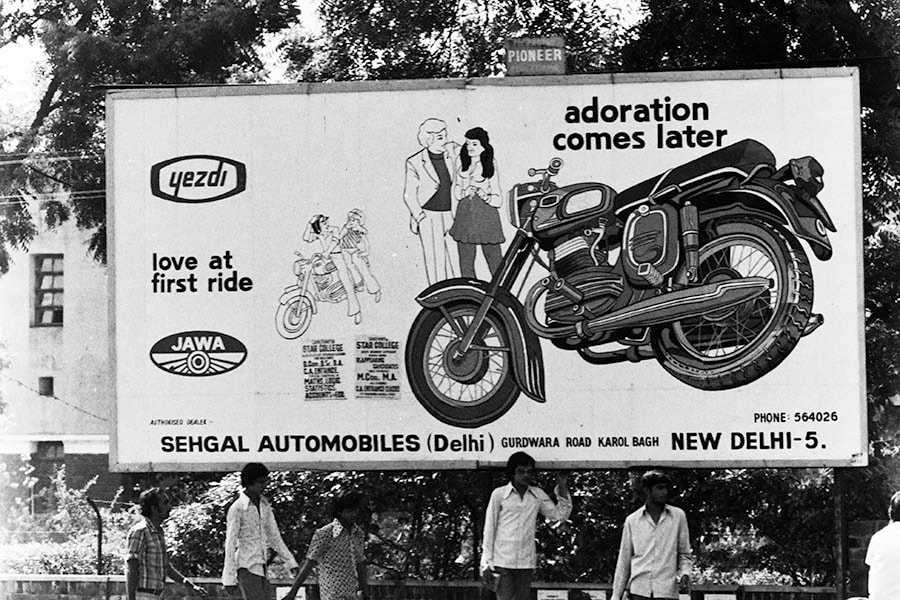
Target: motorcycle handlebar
column 551, row 170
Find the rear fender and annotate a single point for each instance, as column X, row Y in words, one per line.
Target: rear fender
column 773, row 199
column 527, row 358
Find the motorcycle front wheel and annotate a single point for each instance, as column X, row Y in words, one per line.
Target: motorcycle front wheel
column 468, row 391
column 293, row 319
column 728, row 348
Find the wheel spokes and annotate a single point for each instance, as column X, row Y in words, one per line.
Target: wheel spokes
column 490, row 359
column 722, row 333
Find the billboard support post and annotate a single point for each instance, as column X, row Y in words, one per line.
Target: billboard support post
column 840, row 533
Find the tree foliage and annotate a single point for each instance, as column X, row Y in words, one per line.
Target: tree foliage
column 58, row 157
column 404, row 39
column 63, row 538
column 427, row 525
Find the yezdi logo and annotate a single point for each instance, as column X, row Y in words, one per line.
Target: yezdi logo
column 198, row 353
column 197, row 178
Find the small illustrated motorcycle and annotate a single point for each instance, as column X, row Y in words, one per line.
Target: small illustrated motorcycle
column 700, row 268
column 317, row 281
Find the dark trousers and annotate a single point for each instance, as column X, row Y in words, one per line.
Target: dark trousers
column 492, row 255
column 513, row 584
column 253, row 587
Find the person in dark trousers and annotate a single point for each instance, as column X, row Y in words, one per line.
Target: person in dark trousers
column 655, row 554
column 251, row 533
column 508, row 554
column 147, row 560
column 337, row 549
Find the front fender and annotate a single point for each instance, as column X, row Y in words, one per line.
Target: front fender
column 527, row 358
column 805, row 220
column 292, row 293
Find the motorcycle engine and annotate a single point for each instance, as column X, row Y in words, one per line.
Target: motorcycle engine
column 582, row 284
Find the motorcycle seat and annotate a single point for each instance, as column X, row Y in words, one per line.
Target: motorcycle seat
column 739, row 158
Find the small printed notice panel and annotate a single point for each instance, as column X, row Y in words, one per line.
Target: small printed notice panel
column 369, row 276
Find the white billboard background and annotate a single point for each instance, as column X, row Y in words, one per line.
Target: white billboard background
column 327, row 150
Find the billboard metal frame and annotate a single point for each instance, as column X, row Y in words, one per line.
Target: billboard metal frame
column 163, row 92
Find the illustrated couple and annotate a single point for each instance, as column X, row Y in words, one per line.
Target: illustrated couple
column 453, row 193
column 348, row 249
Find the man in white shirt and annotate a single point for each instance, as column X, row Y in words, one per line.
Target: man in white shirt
column 655, row 554
column 883, row 557
column 250, row 533
column 508, row 554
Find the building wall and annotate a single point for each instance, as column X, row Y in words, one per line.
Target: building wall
column 76, row 355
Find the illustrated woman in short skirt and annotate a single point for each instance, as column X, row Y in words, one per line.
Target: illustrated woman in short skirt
column 477, row 190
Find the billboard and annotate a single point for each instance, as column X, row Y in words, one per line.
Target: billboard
column 602, row 271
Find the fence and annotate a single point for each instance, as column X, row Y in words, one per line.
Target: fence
column 97, row 587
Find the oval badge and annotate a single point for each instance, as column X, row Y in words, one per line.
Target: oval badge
column 198, row 353
column 197, row 178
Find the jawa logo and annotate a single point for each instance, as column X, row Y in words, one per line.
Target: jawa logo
column 197, row 178
column 198, row 353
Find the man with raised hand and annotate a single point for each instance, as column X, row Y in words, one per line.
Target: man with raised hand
column 508, row 554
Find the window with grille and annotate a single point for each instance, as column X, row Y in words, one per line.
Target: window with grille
column 48, row 290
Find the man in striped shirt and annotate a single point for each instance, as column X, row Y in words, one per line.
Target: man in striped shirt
column 146, row 561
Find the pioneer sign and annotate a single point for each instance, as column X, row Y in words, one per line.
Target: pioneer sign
column 535, row 56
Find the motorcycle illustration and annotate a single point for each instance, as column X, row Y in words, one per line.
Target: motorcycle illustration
column 700, row 268
column 317, row 281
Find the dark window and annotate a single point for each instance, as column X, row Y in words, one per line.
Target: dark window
column 48, row 290
column 48, row 458
column 49, row 451
column 45, row 386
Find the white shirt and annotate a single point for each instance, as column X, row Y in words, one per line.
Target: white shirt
column 653, row 556
column 883, row 558
column 249, row 534
column 510, row 522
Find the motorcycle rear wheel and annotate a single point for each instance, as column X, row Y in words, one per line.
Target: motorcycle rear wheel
column 472, row 391
column 733, row 347
column 293, row 319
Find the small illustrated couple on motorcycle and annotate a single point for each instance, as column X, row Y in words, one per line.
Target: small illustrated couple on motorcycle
column 334, row 274
column 700, row 268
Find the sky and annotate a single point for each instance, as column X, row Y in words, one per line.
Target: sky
column 19, row 82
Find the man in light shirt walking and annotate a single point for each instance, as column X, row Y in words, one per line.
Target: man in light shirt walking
column 250, row 533
column 655, row 554
column 508, row 555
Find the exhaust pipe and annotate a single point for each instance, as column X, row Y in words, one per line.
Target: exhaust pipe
column 815, row 321
column 690, row 302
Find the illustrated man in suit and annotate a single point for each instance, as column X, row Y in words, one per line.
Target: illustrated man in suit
column 428, row 194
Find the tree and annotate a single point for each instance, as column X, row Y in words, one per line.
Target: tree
column 404, row 39
column 59, row 157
